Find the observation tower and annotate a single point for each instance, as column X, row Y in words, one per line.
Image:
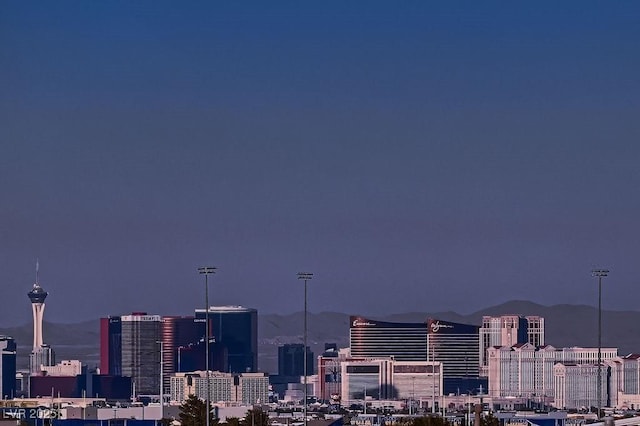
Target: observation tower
column 37, row 296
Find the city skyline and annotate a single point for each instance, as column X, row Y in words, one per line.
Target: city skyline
column 296, row 309
column 415, row 157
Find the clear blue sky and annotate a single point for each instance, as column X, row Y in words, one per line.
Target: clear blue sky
column 416, row 156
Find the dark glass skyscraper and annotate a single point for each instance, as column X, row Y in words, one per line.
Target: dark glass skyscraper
column 235, row 332
column 182, row 346
column 457, row 347
column 7, row 367
column 291, row 360
column 403, row 341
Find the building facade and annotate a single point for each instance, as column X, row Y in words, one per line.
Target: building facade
column 379, row 339
column 235, row 332
column 64, row 368
column 524, row 370
column 177, row 334
column 291, row 360
column 7, row 367
column 575, row 386
column 456, row 347
column 111, row 345
column 508, row 330
column 141, row 351
column 330, row 373
column 388, row 379
column 244, row 388
column 43, row 356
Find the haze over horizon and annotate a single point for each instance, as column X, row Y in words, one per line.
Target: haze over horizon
column 415, row 157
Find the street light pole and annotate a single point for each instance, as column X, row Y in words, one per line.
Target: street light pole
column 305, row 276
column 206, row 271
column 161, row 398
column 599, row 273
column 413, row 393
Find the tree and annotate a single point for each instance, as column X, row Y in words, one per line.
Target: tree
column 193, row 412
column 489, row 420
column 429, row 421
column 232, row 421
column 256, row 417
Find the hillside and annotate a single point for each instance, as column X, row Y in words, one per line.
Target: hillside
column 566, row 325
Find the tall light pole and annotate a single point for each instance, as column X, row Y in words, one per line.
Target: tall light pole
column 305, row 276
column 599, row 273
column 161, row 378
column 206, row 271
column 413, row 393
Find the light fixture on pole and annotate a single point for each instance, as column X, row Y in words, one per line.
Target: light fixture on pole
column 599, row 273
column 305, row 276
column 206, row 271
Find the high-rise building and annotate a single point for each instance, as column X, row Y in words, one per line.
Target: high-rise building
column 141, row 351
column 42, row 357
column 181, row 335
column 244, row 388
column 111, row 346
column 330, row 372
column 7, row 367
column 371, row 339
column 456, row 346
column 535, row 330
column 235, row 332
column 527, row 370
column 576, row 386
column 183, row 348
column 508, row 330
column 291, row 360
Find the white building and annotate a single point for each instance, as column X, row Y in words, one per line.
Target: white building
column 63, row 368
column 624, row 382
column 43, row 356
column 508, row 330
column 244, row 388
column 576, row 386
column 524, row 370
column 388, row 379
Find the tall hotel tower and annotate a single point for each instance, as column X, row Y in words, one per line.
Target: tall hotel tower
column 508, row 330
column 41, row 354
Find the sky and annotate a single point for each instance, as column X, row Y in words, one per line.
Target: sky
column 416, row 156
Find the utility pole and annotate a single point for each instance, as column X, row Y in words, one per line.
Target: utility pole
column 599, row 273
column 305, row 276
column 206, row 271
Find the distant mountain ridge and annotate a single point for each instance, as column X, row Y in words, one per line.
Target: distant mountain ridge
column 565, row 326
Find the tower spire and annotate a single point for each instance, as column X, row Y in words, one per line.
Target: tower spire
column 37, row 270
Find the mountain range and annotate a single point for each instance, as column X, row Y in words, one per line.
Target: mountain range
column 565, row 326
